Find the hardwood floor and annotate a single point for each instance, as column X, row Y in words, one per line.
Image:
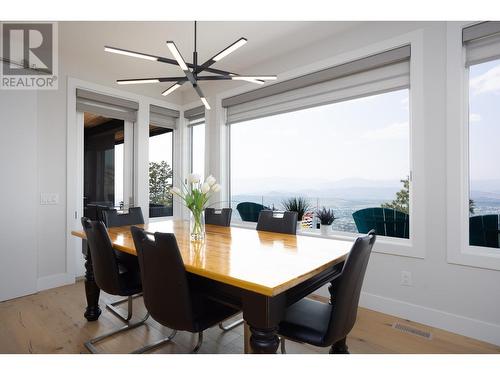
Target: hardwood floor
column 52, row 322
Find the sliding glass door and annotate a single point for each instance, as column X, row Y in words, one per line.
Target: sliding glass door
column 108, row 164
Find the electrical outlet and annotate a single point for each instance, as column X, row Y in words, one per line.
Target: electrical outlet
column 406, row 279
column 49, row 198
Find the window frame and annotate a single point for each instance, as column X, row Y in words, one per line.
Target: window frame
column 459, row 251
column 190, row 146
column 415, row 246
column 173, row 131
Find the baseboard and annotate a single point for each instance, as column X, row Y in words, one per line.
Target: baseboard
column 54, row 281
column 458, row 324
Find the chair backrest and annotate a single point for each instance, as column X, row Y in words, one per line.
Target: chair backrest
column 103, row 256
column 164, row 281
column 279, row 222
column 249, row 211
column 348, row 288
column 113, row 219
column 385, row 222
column 218, row 216
column 484, row 231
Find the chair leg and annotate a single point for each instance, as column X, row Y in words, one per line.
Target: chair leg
column 231, row 326
column 198, row 344
column 282, row 342
column 90, row 344
column 113, row 307
column 156, row 344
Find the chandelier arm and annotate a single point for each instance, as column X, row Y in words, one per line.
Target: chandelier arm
column 157, row 79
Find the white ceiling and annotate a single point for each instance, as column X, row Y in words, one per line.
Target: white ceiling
column 83, row 42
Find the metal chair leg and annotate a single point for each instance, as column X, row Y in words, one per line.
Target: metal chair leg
column 198, row 344
column 282, row 342
column 112, row 307
column 231, row 326
column 90, row 344
column 91, row 347
column 156, row 344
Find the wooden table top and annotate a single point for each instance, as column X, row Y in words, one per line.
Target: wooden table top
column 264, row 262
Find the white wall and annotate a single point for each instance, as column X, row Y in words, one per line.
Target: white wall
column 18, row 193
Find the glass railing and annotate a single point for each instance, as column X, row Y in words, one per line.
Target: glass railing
column 342, row 208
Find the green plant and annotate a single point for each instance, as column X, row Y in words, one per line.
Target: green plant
column 160, row 182
column 325, row 216
column 402, row 201
column 296, row 204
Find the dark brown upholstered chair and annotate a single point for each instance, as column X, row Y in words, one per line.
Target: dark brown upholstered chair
column 111, row 219
column 112, row 278
column 278, row 222
column 323, row 324
column 218, row 216
column 169, row 294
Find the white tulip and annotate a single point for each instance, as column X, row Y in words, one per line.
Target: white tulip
column 205, row 188
column 176, row 191
column 216, row 188
column 210, row 180
column 193, row 178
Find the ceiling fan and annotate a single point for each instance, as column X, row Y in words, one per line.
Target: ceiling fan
column 191, row 70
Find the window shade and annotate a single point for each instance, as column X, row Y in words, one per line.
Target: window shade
column 374, row 74
column 195, row 115
column 163, row 117
column 105, row 105
column 482, row 42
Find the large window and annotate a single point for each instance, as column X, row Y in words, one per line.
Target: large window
column 484, row 154
column 198, row 149
column 160, row 171
column 347, row 156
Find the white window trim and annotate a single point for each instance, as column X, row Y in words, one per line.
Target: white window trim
column 74, row 166
column 415, row 246
column 458, row 249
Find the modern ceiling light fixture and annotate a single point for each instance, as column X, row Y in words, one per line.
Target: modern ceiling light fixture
column 191, row 70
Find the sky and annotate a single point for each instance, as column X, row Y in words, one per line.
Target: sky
column 365, row 138
column 484, row 124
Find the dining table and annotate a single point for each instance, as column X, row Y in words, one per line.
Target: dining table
column 260, row 273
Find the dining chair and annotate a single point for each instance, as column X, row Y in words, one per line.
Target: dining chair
column 218, row 216
column 328, row 324
column 221, row 217
column 249, row 211
column 278, row 222
column 170, row 295
column 112, row 218
column 113, row 279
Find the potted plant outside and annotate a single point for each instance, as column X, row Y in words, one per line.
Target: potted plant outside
column 326, row 218
column 296, row 204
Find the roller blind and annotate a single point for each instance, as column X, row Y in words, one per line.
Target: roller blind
column 374, row 74
column 163, row 117
column 195, row 116
column 105, row 105
column 482, row 42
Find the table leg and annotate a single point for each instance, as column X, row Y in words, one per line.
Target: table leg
column 340, row 347
column 262, row 314
column 92, row 291
column 264, row 340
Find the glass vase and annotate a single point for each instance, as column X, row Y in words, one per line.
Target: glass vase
column 197, row 226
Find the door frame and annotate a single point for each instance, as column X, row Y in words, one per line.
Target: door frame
column 75, row 158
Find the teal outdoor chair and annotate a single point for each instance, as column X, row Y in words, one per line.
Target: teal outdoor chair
column 483, row 231
column 249, row 211
column 385, row 222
